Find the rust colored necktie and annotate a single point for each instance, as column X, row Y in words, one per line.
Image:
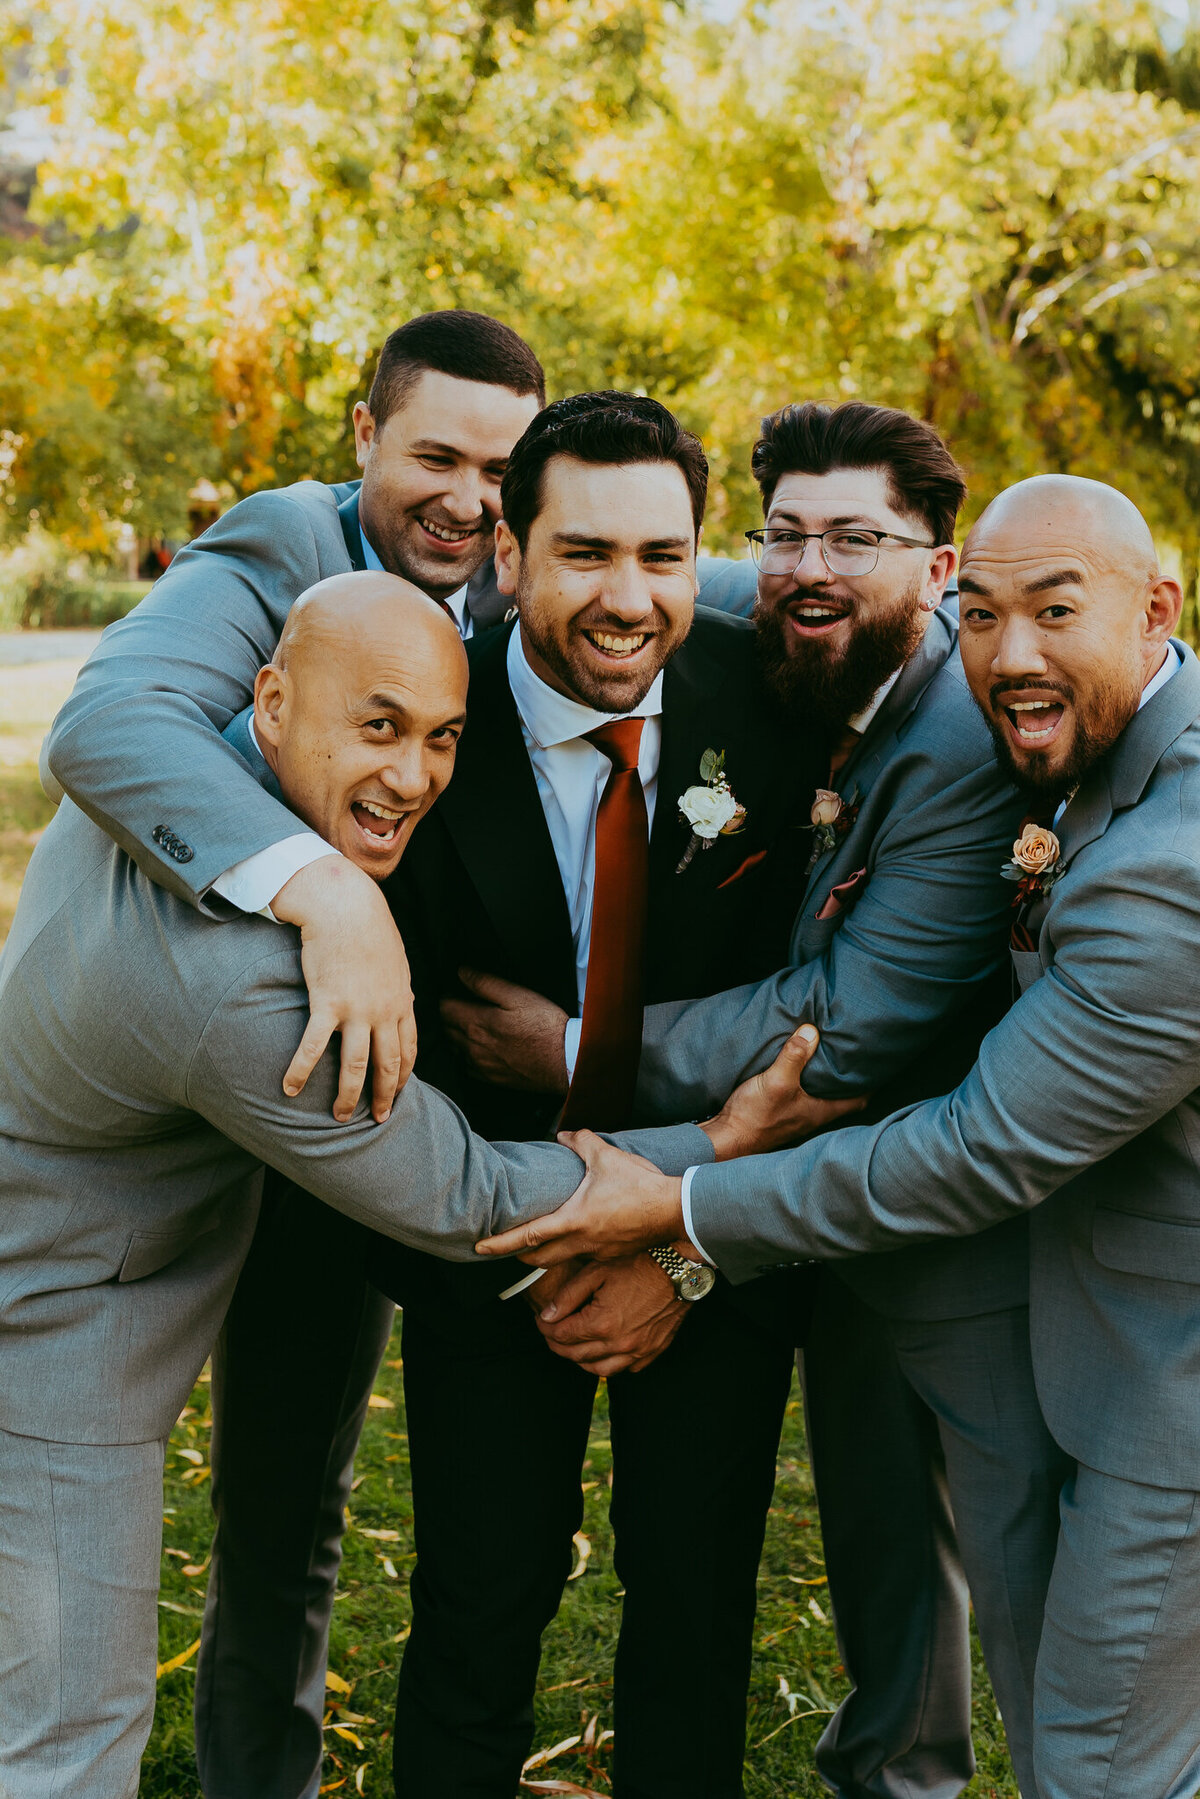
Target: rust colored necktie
column 610, row 1040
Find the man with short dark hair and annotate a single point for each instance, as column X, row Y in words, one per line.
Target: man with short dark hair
column 917, row 1366
column 563, row 863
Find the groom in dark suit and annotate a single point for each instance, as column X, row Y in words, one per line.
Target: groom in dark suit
column 561, row 862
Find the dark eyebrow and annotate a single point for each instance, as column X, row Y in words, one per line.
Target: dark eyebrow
column 383, row 702
column 1059, row 577
column 425, row 445
column 966, row 585
column 581, row 540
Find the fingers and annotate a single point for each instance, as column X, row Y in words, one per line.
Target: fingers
column 407, row 1034
column 525, row 1238
column 490, row 987
column 574, row 1292
column 313, row 1044
column 352, row 1072
column 385, row 1073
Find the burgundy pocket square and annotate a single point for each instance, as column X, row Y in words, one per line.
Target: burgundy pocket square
column 842, row 897
column 743, row 868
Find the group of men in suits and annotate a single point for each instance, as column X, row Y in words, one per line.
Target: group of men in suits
column 834, row 857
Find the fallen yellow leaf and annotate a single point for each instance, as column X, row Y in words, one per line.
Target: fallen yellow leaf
column 547, row 1755
column 380, row 1404
column 334, row 1682
column 382, row 1536
column 583, row 1550
column 177, row 1661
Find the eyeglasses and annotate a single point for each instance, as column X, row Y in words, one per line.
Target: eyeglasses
column 780, row 550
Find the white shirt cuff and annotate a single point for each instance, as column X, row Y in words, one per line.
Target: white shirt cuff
column 571, row 1045
column 689, row 1229
column 252, row 884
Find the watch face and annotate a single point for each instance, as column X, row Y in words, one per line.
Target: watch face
column 696, row 1283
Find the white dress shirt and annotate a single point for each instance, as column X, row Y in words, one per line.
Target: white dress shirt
column 1171, row 663
column 571, row 775
column 252, row 883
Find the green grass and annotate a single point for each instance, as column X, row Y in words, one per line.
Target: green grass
column 793, row 1641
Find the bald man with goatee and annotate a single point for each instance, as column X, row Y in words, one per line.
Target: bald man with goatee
column 1083, row 1109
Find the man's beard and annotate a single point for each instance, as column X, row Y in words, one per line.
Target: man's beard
column 603, row 690
column 824, row 687
column 1035, row 776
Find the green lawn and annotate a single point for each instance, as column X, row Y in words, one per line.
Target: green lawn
column 794, row 1638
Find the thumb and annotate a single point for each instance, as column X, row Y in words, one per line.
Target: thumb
column 586, row 1145
column 799, row 1050
column 488, row 987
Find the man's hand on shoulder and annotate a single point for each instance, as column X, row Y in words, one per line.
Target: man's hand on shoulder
column 358, row 983
column 511, row 1036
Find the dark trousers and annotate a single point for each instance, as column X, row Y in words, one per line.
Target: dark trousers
column 292, row 1374
column 497, row 1429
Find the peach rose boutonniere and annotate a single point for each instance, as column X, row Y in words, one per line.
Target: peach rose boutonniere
column 710, row 809
column 1036, row 863
column 831, row 817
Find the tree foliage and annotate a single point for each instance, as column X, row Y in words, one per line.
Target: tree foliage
column 818, row 198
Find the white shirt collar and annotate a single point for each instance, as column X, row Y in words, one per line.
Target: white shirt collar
column 551, row 717
column 862, row 719
column 254, row 737
column 1172, row 662
column 457, row 602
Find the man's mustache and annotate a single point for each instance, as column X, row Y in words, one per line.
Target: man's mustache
column 998, row 688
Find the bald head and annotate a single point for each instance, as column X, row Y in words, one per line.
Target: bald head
column 367, row 606
column 359, row 712
column 1065, row 618
column 1057, row 510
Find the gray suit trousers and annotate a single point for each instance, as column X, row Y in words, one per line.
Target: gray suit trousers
column 1117, row 1701
column 994, row 1480
column 80, row 1538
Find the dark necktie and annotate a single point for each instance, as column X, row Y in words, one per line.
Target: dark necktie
column 844, row 747
column 610, row 1041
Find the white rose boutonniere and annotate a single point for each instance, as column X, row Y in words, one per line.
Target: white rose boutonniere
column 710, row 809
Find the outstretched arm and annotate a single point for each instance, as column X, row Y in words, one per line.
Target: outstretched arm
column 1098, row 1050
column 422, row 1176
column 925, row 935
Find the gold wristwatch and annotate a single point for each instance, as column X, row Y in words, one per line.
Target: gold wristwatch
column 691, row 1280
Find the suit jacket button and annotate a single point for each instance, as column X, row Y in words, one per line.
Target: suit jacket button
column 184, row 853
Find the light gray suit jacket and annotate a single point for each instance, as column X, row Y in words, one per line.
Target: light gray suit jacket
column 140, row 1093
column 900, row 933
column 138, row 743
column 1087, row 1092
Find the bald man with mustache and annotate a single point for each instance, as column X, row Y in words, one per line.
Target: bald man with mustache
column 1083, row 1108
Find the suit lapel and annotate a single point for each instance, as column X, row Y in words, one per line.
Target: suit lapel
column 352, row 530
column 494, row 816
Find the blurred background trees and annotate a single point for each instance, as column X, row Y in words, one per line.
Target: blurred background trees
column 211, row 215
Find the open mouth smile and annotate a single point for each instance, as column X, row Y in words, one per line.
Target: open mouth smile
column 813, row 618
column 378, row 826
column 613, row 648
column 1033, row 724
column 453, row 536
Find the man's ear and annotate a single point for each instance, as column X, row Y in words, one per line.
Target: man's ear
column 1164, row 603
column 941, row 568
column 508, row 558
column 270, row 702
column 699, row 541
column 364, row 432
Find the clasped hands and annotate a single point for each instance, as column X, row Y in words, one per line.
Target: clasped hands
column 615, row 1309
